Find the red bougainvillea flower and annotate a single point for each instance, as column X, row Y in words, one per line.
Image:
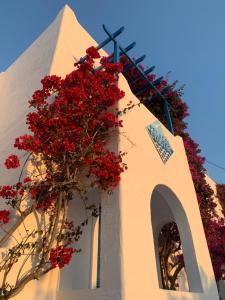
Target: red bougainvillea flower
column 4, row 216
column 107, row 168
column 92, row 52
column 12, row 162
column 60, row 256
column 70, row 122
column 111, row 67
column 27, row 179
column 8, row 192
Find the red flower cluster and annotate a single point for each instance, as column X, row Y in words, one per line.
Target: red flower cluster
column 27, row 180
column 4, row 216
column 60, row 256
column 215, row 232
column 12, row 162
column 112, row 68
column 71, row 121
column 8, row 192
column 107, row 169
column 92, row 52
column 27, row 143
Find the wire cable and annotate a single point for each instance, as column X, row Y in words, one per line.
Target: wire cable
column 215, row 165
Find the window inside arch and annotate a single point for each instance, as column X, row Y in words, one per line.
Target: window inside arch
column 171, row 259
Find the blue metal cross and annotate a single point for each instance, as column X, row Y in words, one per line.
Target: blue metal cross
column 117, row 53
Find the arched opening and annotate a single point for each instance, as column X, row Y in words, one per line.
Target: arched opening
column 170, row 225
column 96, row 252
column 84, row 270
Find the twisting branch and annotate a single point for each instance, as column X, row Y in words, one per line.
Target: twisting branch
column 21, row 218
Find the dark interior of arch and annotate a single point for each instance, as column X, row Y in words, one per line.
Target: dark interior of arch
column 171, row 259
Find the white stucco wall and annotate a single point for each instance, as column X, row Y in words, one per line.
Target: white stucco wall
column 128, row 266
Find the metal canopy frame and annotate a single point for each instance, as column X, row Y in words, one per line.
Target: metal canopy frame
column 118, row 52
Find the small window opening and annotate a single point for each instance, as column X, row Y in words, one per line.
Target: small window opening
column 84, row 270
column 96, row 252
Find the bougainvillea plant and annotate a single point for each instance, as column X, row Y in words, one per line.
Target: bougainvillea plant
column 213, row 225
column 70, row 125
column 220, row 189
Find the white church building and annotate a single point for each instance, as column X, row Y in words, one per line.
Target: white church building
column 150, row 194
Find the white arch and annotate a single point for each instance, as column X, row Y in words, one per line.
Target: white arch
column 165, row 208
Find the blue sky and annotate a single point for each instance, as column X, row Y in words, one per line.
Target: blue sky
column 185, row 37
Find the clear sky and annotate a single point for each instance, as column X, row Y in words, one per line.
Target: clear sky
column 186, row 37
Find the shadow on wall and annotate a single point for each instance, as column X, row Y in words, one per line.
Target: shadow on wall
column 40, row 293
column 209, row 284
